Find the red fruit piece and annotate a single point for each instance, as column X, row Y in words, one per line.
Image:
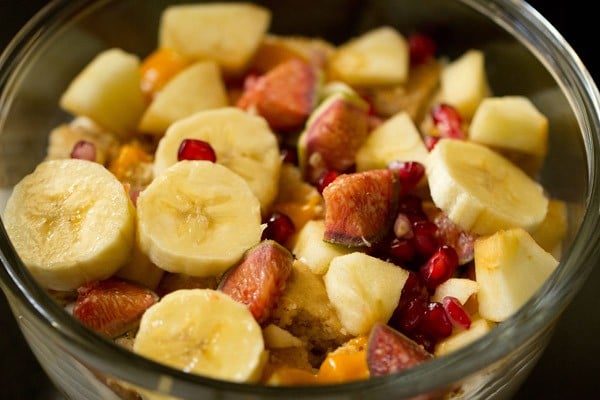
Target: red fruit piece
column 448, row 121
column 279, row 228
column 360, row 207
column 439, row 267
column 113, row 306
column 335, row 132
column 389, row 351
column 452, row 235
column 194, row 149
column 410, row 173
column 285, row 96
column 456, row 313
column 326, row 178
column 424, row 237
column 84, row 150
column 421, row 48
column 260, row 278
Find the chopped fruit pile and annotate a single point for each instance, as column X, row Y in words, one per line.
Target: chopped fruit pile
column 283, row 211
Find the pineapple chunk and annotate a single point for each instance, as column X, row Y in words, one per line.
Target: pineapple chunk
column 228, row 33
column 108, row 92
column 196, row 88
column 378, row 57
column 510, row 123
column 509, row 267
column 364, row 290
column 464, row 83
column 396, row 139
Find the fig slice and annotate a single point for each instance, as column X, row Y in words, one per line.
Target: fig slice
column 260, row 278
column 360, row 207
column 389, row 351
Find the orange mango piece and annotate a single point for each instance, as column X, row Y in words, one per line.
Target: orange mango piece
column 158, row 68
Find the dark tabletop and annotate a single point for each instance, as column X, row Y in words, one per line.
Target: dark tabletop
column 570, row 367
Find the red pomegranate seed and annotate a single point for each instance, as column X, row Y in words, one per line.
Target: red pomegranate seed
column 279, row 228
column 194, row 149
column 448, row 121
column 401, row 251
column 439, row 267
column 424, row 238
column 411, row 315
column 421, row 48
column 326, row 178
column 410, row 173
column 435, row 323
column 289, row 155
column 424, row 340
column 84, row 150
column 431, row 141
column 411, row 205
column 413, row 289
column 456, row 312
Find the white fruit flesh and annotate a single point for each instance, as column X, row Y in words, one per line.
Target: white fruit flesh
column 312, row 250
column 227, row 33
column 196, row 88
column 554, row 227
column 71, row 222
column 510, row 267
column 378, row 57
column 197, row 218
column 363, row 290
column 510, row 123
column 464, row 83
column 397, row 139
column 459, row 339
column 482, row 191
column 242, row 142
column 108, row 91
column 204, row 332
column 459, row 288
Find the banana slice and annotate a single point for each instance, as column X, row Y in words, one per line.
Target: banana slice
column 243, row 142
column 482, row 191
column 197, row 218
column 71, row 222
column 204, row 332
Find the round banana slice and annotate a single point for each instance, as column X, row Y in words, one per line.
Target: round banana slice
column 482, row 191
column 242, row 142
column 71, row 222
column 197, row 218
column 204, row 332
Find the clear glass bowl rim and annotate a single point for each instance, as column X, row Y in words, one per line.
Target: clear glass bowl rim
column 537, row 316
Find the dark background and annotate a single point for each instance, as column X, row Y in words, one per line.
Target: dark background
column 570, row 367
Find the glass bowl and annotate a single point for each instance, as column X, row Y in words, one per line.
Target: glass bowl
column 525, row 55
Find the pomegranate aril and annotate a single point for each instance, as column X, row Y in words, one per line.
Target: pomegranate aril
column 439, row 267
column 400, row 251
column 279, row 228
column 410, row 173
column 326, row 178
column 409, row 318
column 435, row 323
column 457, row 314
column 289, row 155
column 421, row 48
column 84, row 150
column 448, row 121
column 411, row 205
column 194, row 149
column 424, row 238
column 413, row 289
column 425, row 341
column 431, row 141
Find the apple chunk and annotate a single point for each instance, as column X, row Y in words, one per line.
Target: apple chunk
column 108, row 92
column 509, row 267
column 196, row 88
column 228, row 33
column 377, row 57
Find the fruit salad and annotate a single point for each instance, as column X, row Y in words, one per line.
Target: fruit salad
column 320, row 213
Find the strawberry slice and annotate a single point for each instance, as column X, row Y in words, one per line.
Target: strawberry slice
column 359, row 207
column 285, row 96
column 260, row 278
column 389, row 351
column 113, row 306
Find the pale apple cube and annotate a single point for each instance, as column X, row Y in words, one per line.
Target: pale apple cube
column 464, row 83
column 108, row 92
column 397, row 139
column 554, row 227
column 460, row 288
column 228, row 33
column 461, row 338
column 510, row 123
column 198, row 87
column 312, row 250
column 377, row 57
column 276, row 337
column 509, row 267
column 364, row 290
